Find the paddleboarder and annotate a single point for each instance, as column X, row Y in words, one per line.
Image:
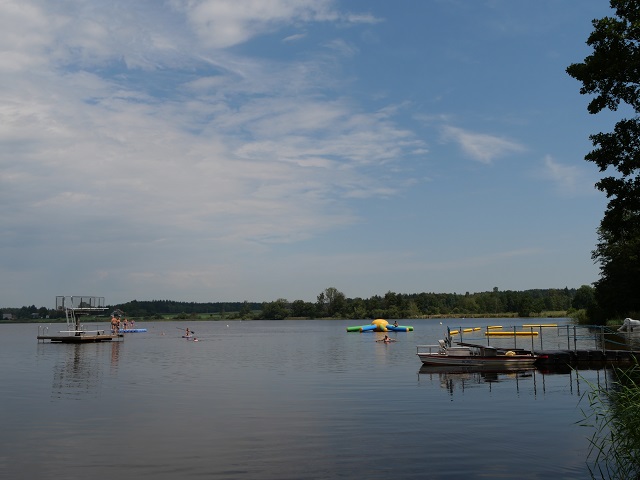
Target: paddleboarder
column 386, row 339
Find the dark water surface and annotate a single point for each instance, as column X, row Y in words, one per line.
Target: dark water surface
column 278, row 400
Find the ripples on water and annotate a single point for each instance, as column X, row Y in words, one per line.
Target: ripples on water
column 276, row 400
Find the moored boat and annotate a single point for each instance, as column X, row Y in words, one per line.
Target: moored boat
column 629, row 325
column 472, row 355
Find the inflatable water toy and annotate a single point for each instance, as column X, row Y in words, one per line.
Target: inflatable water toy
column 380, row 325
column 464, row 330
column 492, row 331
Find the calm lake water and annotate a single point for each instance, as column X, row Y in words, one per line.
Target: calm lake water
column 280, row 400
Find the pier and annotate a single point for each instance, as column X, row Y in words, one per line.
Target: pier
column 587, row 358
column 565, row 346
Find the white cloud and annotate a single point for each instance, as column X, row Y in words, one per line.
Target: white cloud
column 294, row 38
column 344, row 48
column 252, row 143
column 479, row 146
column 20, row 51
column 568, row 179
column 224, row 23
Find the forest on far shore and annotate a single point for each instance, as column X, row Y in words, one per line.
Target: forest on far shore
column 331, row 303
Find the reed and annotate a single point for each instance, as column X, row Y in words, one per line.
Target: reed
column 614, row 413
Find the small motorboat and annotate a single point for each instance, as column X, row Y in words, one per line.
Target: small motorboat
column 473, row 355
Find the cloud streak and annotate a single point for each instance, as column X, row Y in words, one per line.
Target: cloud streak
column 225, row 23
column 481, row 147
column 569, row 180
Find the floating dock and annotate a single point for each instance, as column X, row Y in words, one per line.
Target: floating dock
column 587, row 358
column 75, row 307
column 84, row 337
column 574, row 358
column 611, row 348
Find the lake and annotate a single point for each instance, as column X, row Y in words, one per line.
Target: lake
column 280, row 400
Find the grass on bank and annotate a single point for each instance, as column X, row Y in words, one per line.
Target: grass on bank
column 614, row 414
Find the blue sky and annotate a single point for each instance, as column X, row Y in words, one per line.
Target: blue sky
column 231, row 150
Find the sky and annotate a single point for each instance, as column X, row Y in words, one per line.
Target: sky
column 232, row 150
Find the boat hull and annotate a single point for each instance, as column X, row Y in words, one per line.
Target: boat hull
column 477, row 361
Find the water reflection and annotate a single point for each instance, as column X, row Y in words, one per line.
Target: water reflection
column 631, row 339
column 79, row 368
column 461, row 378
column 534, row 379
column 115, row 356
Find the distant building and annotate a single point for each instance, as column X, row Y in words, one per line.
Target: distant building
column 7, row 316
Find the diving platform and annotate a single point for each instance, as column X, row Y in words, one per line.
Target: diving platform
column 74, row 308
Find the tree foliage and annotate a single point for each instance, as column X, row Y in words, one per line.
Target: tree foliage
column 611, row 74
column 332, row 303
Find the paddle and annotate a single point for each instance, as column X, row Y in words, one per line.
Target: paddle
column 184, row 330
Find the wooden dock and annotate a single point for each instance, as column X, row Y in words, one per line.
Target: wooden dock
column 573, row 358
column 579, row 358
column 611, row 346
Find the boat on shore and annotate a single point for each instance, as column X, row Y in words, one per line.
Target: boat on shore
column 629, row 325
column 467, row 355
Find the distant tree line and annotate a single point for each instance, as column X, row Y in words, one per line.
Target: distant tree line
column 331, row 303
column 154, row 308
